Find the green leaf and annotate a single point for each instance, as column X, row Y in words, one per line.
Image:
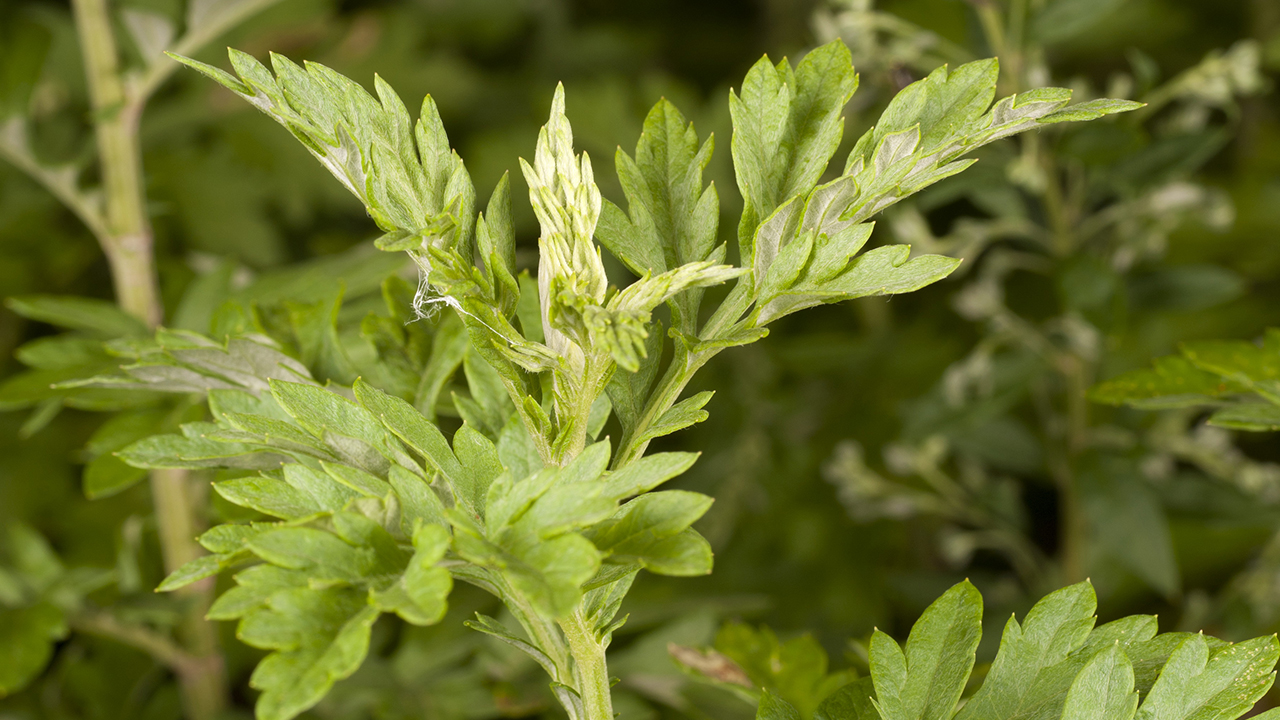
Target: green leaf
column 318, row 637
column 61, row 352
column 786, row 126
column 323, row 555
column 1217, row 684
column 358, row 480
column 686, row 413
column 1251, row 365
column 493, row 628
column 419, row 595
column 1103, row 689
column 854, row 701
column 198, row 569
column 647, row 473
column 557, row 570
column 773, row 707
column 1248, row 416
column 885, row 270
column 272, row 433
column 419, row 503
column 795, row 671
column 352, row 432
column 673, row 220
column 480, row 466
column 222, row 77
column 106, row 474
column 926, row 682
column 1172, row 382
column 427, row 584
column 270, row 496
column 98, row 318
column 650, row 531
column 184, row 451
column 1015, row 685
column 27, row 636
column 414, row 429
column 1091, row 110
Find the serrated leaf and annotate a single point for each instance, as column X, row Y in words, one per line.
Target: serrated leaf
column 686, row 413
column 180, row 451
column 1251, row 365
column 647, row 473
column 480, row 465
column 925, row 683
column 318, row 637
column 412, row 427
column 644, row 532
column 1218, row 684
column 1057, row 626
column 493, row 628
column 197, row 569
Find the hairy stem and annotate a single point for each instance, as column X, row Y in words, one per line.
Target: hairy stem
column 573, row 426
column 127, row 243
column 590, row 669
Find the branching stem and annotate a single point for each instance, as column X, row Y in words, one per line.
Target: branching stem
column 681, row 371
column 127, row 243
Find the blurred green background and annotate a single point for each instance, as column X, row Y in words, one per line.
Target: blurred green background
column 866, row 455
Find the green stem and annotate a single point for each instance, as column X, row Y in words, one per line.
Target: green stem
column 204, row 690
column 128, row 238
column 681, row 371
column 160, row 68
column 572, row 432
column 590, row 669
column 127, row 243
column 159, row 647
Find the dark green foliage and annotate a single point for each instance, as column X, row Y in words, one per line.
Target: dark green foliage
column 1055, row 663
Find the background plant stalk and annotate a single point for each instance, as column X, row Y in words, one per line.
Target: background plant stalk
column 128, row 244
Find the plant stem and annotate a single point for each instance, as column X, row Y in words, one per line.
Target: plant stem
column 204, row 692
column 128, row 239
column 572, row 437
column 158, row 646
column 127, row 244
column 590, row 669
column 681, row 371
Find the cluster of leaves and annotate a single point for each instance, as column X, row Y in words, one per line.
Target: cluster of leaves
column 1067, row 235
column 1236, row 378
column 377, row 511
column 1055, row 663
column 369, row 496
